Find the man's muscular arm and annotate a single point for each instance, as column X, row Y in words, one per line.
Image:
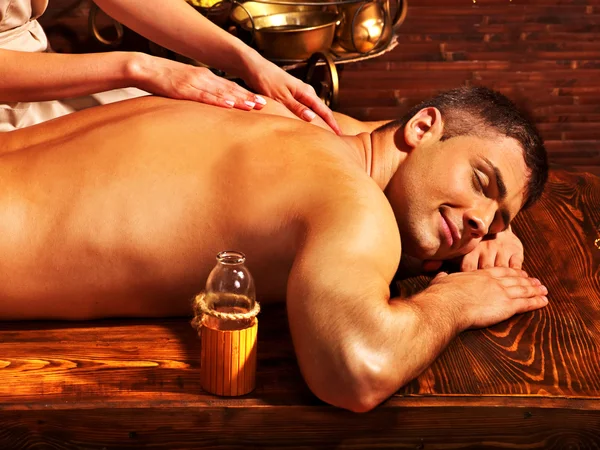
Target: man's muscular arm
column 355, row 345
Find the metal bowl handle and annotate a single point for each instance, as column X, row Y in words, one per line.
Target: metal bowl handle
column 241, row 5
column 330, row 98
column 93, row 28
column 401, row 10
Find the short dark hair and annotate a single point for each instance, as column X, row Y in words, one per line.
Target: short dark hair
column 475, row 110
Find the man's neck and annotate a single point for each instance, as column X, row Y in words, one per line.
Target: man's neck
column 377, row 154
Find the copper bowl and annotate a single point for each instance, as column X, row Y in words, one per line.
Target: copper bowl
column 241, row 13
column 218, row 13
column 363, row 26
column 293, row 35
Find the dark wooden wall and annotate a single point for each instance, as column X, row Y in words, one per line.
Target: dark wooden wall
column 544, row 54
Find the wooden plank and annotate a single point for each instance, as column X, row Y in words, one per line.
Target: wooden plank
column 318, row 427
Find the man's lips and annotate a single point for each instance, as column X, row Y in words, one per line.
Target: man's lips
column 450, row 230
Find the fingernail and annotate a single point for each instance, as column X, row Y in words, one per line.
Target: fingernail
column 308, row 115
column 544, row 289
column 230, row 103
column 545, row 299
column 536, row 281
column 260, row 100
column 250, row 104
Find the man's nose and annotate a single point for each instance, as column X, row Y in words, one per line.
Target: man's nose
column 477, row 221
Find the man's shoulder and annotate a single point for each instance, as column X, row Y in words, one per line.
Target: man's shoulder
column 356, row 203
column 358, row 224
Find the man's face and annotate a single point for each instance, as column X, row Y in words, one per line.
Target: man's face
column 447, row 195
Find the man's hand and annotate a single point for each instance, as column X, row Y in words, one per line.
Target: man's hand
column 485, row 297
column 501, row 250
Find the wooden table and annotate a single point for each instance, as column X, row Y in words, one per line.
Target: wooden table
column 530, row 382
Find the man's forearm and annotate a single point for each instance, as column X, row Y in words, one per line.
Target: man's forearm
column 61, row 75
column 435, row 324
column 381, row 350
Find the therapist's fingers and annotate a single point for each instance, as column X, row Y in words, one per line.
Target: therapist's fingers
column 182, row 81
column 228, row 93
column 209, row 98
column 310, row 104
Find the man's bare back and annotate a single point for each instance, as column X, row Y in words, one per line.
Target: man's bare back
column 120, row 210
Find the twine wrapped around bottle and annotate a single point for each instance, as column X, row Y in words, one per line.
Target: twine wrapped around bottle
column 201, row 309
column 228, row 357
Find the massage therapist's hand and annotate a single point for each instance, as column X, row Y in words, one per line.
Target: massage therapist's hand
column 266, row 78
column 485, row 297
column 176, row 26
column 180, row 81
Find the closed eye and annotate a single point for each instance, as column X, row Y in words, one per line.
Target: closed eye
column 477, row 183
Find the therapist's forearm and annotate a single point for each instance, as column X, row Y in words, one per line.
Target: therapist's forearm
column 179, row 27
column 31, row 77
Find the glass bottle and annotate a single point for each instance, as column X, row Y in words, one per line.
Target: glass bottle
column 230, row 289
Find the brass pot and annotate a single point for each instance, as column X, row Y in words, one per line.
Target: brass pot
column 367, row 25
column 293, row 35
column 363, row 26
column 217, row 11
column 241, row 12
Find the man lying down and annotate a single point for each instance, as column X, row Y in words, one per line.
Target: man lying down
column 120, row 210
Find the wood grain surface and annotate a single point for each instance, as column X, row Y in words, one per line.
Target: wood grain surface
column 551, row 352
column 532, row 382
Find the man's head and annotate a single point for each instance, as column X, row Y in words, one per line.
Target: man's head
column 471, row 162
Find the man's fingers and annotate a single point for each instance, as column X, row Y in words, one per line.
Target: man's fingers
column 519, row 281
column 469, row 262
column 531, row 304
column 487, row 260
column 524, row 291
column 502, row 259
column 516, row 261
column 506, row 272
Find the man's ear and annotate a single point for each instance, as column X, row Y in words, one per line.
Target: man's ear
column 426, row 124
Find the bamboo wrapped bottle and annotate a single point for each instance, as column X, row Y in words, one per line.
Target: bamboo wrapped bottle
column 228, row 327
